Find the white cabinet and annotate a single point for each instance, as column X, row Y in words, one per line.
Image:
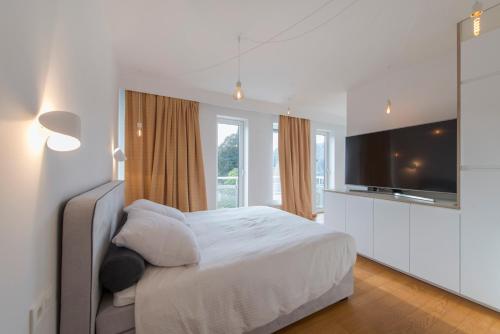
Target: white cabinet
column 479, row 123
column 480, row 56
column 391, row 233
column 335, row 210
column 435, row 245
column 481, row 236
column 359, row 223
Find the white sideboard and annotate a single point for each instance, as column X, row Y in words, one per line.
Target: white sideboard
column 416, row 238
column 391, row 233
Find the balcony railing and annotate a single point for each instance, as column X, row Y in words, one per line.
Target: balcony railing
column 319, row 187
column 227, row 192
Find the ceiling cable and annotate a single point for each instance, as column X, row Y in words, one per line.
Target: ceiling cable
column 307, row 32
column 273, row 39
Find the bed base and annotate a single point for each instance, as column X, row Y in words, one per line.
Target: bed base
column 90, row 221
column 114, row 320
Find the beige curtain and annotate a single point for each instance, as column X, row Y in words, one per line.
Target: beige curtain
column 294, row 145
column 165, row 164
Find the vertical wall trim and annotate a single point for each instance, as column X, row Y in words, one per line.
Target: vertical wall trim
column 459, row 115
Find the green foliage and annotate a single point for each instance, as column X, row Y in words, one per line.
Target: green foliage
column 228, row 155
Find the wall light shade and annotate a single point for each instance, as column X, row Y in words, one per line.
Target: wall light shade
column 65, row 130
column 119, row 155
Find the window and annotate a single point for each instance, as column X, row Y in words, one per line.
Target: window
column 230, row 155
column 276, row 167
column 321, row 168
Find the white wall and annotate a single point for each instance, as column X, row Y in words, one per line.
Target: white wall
column 423, row 93
column 260, row 153
column 153, row 84
column 54, row 56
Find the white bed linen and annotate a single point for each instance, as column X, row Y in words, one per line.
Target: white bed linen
column 257, row 263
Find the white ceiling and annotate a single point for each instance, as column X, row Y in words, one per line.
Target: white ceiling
column 173, row 38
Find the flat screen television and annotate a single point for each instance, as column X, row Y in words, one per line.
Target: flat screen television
column 422, row 157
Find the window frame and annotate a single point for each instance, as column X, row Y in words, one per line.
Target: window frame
column 275, row 128
column 241, row 123
column 326, row 181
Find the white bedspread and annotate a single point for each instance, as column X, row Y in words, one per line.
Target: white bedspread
column 257, row 263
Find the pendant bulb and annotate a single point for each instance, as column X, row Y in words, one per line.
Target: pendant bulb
column 388, row 107
column 139, row 129
column 238, row 91
column 139, row 121
column 477, row 11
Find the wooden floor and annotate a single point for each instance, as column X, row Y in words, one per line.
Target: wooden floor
column 386, row 301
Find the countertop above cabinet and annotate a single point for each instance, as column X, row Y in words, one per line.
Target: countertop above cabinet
column 389, row 197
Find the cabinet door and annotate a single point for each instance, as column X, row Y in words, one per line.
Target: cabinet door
column 391, row 234
column 359, row 223
column 435, row 245
column 335, row 210
column 480, row 56
column 480, row 118
column 480, row 269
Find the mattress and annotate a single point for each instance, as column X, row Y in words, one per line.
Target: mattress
column 292, row 266
column 257, row 264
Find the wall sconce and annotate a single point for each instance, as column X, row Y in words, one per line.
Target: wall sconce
column 119, row 155
column 65, row 130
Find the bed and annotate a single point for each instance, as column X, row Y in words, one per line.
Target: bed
column 262, row 267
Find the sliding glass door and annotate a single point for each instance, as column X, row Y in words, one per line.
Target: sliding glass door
column 230, row 155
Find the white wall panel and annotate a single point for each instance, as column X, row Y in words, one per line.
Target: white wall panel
column 480, row 122
column 480, row 237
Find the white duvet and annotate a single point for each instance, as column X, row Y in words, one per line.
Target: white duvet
column 257, row 264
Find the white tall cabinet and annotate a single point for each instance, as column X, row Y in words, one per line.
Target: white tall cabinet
column 480, row 167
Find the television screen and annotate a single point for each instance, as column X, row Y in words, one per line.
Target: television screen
column 422, row 157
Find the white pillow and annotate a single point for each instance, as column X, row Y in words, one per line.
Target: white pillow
column 156, row 207
column 162, row 241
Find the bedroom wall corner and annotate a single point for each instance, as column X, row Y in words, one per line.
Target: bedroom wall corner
column 55, row 56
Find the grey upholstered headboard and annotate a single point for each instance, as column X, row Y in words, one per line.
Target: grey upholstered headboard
column 89, row 223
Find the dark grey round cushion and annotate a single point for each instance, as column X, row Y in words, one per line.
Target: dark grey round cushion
column 121, row 268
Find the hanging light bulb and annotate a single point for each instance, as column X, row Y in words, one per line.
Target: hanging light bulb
column 139, row 121
column 288, row 111
column 477, row 11
column 139, row 129
column 238, row 92
column 388, row 107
